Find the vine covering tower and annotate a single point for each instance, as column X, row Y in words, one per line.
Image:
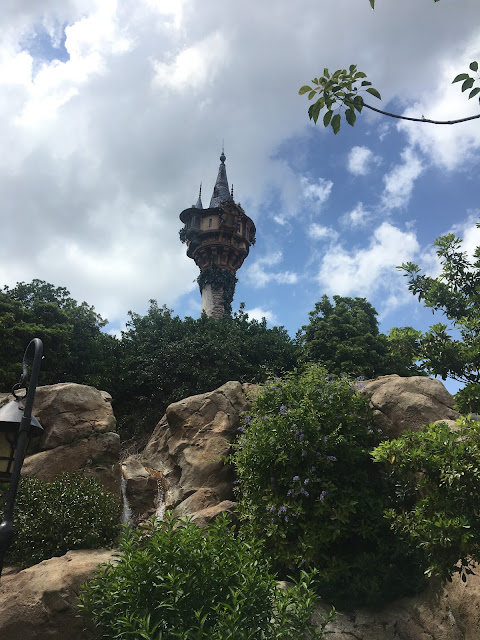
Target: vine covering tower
column 218, row 239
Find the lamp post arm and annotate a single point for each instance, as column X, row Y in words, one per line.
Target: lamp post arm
column 6, row 527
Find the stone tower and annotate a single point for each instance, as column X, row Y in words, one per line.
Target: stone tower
column 218, row 239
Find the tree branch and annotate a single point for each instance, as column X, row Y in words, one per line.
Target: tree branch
column 393, row 115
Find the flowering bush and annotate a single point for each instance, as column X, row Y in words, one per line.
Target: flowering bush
column 307, row 482
column 173, row 580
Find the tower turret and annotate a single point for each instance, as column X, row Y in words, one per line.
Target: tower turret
column 219, row 240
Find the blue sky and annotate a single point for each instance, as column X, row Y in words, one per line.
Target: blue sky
column 113, row 111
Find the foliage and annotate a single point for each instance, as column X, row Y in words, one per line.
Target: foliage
column 165, row 359
column 340, row 90
column 344, row 338
column 307, row 482
column 219, row 279
column 51, row 518
column 183, row 234
column 405, row 351
column 173, row 580
column 456, row 291
column 436, row 476
column 467, row 400
column 75, row 348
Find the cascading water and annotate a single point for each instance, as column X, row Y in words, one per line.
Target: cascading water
column 126, row 517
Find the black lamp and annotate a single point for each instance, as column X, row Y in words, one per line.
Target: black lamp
column 17, row 425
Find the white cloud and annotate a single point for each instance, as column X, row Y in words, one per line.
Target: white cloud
column 399, row 182
column 362, row 272
column 357, row 217
column 259, row 277
column 318, row 191
column 258, row 314
column 361, row 160
column 318, row 232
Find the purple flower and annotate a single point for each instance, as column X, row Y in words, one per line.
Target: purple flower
column 247, row 418
column 306, row 481
column 323, row 494
column 282, row 509
column 314, row 468
column 241, row 429
column 325, row 439
column 304, row 453
column 332, row 458
column 301, row 437
column 286, row 518
column 295, row 479
column 290, row 492
column 283, row 410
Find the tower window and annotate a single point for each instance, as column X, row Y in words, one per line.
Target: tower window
column 210, row 222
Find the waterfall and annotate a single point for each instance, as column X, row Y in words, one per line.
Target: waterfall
column 160, row 510
column 126, row 517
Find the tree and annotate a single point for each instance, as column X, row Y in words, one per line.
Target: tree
column 344, row 338
column 456, row 292
column 164, row 359
column 75, row 348
column 405, row 352
column 341, row 91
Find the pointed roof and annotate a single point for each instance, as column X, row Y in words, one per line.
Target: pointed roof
column 199, row 204
column 221, row 192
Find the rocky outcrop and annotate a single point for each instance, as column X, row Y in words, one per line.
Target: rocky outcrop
column 401, row 404
column 186, row 453
column 79, row 435
column 40, row 603
column 451, row 612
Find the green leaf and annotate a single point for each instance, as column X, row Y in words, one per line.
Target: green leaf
column 374, row 92
column 366, row 83
column 358, row 103
column 460, row 77
column 353, row 68
column 474, row 66
column 336, row 122
column 325, row 73
column 468, row 84
column 474, row 92
column 350, row 116
column 314, row 111
column 304, row 89
column 372, row 3
column 327, row 117
column 360, row 74
column 312, row 94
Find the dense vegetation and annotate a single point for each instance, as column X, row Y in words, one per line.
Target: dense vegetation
column 173, row 580
column 308, row 484
column 51, row 518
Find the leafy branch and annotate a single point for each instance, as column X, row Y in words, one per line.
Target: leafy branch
column 340, row 91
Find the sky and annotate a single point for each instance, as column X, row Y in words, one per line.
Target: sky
column 113, row 111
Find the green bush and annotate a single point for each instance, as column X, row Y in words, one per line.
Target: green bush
column 173, row 580
column 467, row 400
column 436, row 475
column 307, row 482
column 51, row 518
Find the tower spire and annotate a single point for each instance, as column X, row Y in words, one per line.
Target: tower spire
column 199, row 204
column 221, row 192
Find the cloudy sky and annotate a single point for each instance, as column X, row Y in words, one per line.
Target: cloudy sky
column 113, row 111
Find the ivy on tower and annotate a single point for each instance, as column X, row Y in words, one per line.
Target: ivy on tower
column 219, row 240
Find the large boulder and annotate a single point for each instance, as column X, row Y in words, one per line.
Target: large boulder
column 401, row 404
column 40, row 603
column 79, row 435
column 451, row 612
column 186, row 455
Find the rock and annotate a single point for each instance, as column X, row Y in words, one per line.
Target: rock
column 401, row 404
column 40, row 603
column 440, row 613
column 188, row 449
column 79, row 435
column 141, row 489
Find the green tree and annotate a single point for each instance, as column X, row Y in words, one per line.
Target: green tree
column 164, row 359
column 456, row 292
column 405, row 351
column 344, row 338
column 75, row 348
column 341, row 90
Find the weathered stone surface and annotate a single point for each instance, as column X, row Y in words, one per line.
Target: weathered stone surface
column 97, row 456
column 401, row 404
column 40, row 603
column 440, row 613
column 188, row 448
column 141, row 489
column 79, row 435
column 71, row 412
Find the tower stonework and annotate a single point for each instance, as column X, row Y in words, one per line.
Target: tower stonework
column 219, row 240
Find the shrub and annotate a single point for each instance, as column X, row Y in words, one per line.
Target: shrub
column 307, row 482
column 173, row 580
column 436, row 475
column 51, row 518
column 467, row 400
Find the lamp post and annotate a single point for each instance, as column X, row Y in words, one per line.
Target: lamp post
column 17, row 425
